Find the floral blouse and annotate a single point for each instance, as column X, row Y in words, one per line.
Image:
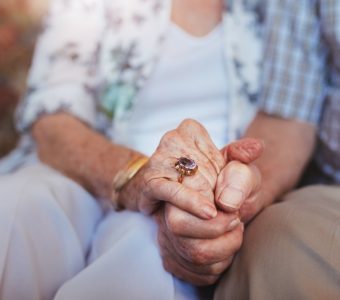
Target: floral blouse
column 93, row 56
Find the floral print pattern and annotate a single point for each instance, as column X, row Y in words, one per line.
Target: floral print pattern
column 94, row 56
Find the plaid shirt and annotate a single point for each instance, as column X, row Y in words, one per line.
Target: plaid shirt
column 302, row 70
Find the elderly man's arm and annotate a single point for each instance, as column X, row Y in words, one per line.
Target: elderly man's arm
column 289, row 145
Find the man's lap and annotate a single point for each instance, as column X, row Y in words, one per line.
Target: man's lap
column 290, row 251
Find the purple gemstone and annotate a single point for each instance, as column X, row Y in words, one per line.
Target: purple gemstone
column 187, row 163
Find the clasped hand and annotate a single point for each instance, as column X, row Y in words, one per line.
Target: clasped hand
column 201, row 219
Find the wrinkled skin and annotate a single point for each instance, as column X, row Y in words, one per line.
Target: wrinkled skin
column 201, row 220
column 157, row 180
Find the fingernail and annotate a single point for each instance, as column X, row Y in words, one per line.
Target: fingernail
column 233, row 224
column 209, row 211
column 231, row 198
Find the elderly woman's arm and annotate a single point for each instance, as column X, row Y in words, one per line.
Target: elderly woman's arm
column 79, row 152
column 71, row 147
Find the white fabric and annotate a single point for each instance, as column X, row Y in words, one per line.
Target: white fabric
column 46, row 226
column 106, row 69
column 125, row 264
column 51, row 242
column 189, row 81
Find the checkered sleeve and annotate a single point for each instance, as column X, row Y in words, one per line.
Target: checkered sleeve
column 293, row 81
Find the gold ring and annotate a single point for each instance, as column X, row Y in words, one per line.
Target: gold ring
column 185, row 167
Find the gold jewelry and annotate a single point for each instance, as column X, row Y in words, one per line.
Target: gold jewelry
column 185, row 167
column 124, row 176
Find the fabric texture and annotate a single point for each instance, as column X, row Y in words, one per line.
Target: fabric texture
column 85, row 68
column 58, row 242
column 189, row 81
column 290, row 251
column 301, row 76
column 47, row 224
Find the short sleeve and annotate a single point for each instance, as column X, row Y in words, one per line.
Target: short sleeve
column 63, row 75
column 293, row 81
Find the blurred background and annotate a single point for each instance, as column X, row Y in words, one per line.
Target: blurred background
column 20, row 22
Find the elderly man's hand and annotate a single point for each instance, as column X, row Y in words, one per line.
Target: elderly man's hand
column 238, row 186
column 197, row 250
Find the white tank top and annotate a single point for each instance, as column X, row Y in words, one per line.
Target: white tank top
column 189, row 81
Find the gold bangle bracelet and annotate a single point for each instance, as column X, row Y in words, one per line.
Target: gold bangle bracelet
column 124, row 176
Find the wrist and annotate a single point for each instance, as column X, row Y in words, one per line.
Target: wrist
column 123, row 176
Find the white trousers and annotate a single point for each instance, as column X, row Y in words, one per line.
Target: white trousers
column 56, row 242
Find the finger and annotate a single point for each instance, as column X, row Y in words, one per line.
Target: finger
column 245, row 150
column 196, row 279
column 183, row 224
column 251, row 207
column 191, row 271
column 199, row 183
column 196, row 132
column 183, row 197
column 187, row 141
column 206, row 252
column 182, row 269
column 204, row 180
column 235, row 184
column 169, row 253
column 214, row 268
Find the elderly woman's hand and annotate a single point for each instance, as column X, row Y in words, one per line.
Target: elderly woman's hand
column 197, row 250
column 157, row 181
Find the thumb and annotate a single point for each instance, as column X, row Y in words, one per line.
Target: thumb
column 235, row 184
column 245, row 150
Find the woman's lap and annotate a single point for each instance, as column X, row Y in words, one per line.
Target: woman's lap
column 125, row 263
column 49, row 225
column 47, row 222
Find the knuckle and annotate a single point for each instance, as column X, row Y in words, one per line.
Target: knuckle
column 189, row 122
column 199, row 256
column 168, row 137
column 203, row 185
